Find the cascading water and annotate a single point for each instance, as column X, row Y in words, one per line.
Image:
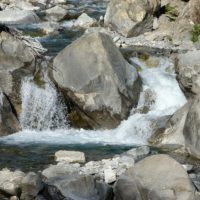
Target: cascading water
column 41, row 104
column 41, row 107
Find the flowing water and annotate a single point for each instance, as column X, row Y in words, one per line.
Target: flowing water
column 37, row 104
column 43, row 118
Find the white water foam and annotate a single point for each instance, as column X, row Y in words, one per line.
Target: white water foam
column 136, row 129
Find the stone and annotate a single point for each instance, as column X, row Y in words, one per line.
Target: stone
column 110, row 175
column 99, row 90
column 70, row 156
column 60, row 169
column 13, row 16
column 188, row 69
column 10, row 182
column 85, row 21
column 31, row 185
column 131, row 18
column 138, row 153
column 56, row 13
column 156, row 177
column 74, row 186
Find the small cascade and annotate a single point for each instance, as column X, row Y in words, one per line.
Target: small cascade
column 42, row 108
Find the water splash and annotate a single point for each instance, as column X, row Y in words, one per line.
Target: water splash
column 41, row 107
column 165, row 98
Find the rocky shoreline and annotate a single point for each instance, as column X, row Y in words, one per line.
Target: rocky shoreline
column 100, row 85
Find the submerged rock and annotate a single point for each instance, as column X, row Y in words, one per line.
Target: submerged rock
column 131, row 18
column 157, row 177
column 98, row 84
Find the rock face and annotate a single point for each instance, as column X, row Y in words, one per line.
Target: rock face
column 188, row 70
column 157, row 177
column 131, row 18
column 70, row 156
column 12, row 16
column 98, row 84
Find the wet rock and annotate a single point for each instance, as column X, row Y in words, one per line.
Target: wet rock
column 85, row 21
column 131, row 18
column 70, row 156
column 145, row 181
column 10, row 182
column 15, row 16
column 188, row 69
column 99, row 90
column 56, row 13
column 31, row 185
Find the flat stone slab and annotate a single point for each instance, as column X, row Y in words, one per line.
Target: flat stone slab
column 70, row 156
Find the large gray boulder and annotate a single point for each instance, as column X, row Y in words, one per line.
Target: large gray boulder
column 157, row 177
column 131, row 18
column 98, row 84
column 188, row 70
column 15, row 16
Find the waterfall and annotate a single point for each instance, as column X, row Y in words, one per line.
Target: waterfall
column 42, row 108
